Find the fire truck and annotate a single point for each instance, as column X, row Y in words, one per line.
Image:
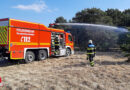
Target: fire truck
column 28, row 41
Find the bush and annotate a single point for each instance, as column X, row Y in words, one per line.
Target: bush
column 124, row 42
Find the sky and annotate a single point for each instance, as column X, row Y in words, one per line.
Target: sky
column 46, row 11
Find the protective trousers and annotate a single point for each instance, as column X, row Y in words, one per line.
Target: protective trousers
column 90, row 57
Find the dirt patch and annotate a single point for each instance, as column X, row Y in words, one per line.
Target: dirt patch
column 110, row 72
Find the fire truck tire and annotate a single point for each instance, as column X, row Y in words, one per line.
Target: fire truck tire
column 68, row 52
column 42, row 55
column 30, row 57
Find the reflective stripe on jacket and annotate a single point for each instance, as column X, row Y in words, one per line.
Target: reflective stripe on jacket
column 57, row 43
column 91, row 49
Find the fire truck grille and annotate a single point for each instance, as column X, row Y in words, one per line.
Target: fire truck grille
column 3, row 34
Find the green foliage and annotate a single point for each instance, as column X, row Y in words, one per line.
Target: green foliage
column 128, row 28
column 102, row 38
column 116, row 16
column 106, row 20
column 109, row 17
column 124, row 41
column 126, row 18
column 92, row 15
column 97, row 16
column 60, row 20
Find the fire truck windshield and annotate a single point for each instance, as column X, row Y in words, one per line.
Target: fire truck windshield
column 70, row 38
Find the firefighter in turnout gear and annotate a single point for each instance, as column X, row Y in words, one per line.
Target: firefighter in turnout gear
column 57, row 45
column 91, row 52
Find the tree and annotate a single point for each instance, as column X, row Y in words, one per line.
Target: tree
column 92, row 15
column 106, row 20
column 126, row 18
column 116, row 16
column 124, row 41
column 127, row 12
column 60, row 20
column 103, row 39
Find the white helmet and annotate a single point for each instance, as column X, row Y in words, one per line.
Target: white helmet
column 90, row 41
column 57, row 36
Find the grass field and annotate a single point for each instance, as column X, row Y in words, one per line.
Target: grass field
column 111, row 72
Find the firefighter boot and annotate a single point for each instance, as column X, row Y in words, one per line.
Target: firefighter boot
column 55, row 52
column 92, row 63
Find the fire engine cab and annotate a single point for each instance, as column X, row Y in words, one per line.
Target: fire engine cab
column 32, row 41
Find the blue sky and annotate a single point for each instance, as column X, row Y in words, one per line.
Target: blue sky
column 46, row 11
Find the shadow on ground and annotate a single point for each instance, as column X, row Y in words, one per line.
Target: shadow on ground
column 83, row 64
column 5, row 63
column 112, row 63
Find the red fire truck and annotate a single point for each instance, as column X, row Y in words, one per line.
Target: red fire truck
column 32, row 41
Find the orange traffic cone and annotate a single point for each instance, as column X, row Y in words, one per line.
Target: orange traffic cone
column 1, row 84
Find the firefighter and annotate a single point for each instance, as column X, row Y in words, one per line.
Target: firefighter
column 91, row 52
column 61, row 41
column 57, row 44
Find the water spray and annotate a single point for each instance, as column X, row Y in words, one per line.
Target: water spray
column 92, row 26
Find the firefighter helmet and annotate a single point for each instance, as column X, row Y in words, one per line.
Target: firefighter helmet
column 90, row 41
column 57, row 36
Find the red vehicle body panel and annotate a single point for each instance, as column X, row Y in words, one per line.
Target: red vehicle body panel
column 68, row 42
column 23, row 34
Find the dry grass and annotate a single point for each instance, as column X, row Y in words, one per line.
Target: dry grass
column 110, row 72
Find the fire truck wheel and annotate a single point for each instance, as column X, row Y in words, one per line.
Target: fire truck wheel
column 68, row 52
column 30, row 56
column 42, row 55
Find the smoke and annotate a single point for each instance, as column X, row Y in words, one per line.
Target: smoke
column 94, row 27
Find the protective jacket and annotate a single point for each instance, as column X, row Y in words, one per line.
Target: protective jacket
column 91, row 50
column 57, row 43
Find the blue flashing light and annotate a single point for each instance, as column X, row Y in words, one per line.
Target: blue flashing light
column 68, row 31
